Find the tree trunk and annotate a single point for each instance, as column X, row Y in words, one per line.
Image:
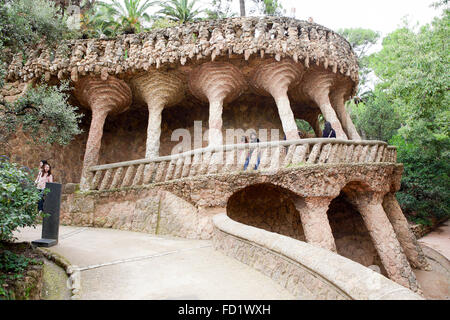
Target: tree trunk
column 242, row 5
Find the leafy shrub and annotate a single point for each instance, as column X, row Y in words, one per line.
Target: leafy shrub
column 14, row 263
column 425, row 188
column 44, row 112
column 12, row 268
column 18, row 199
column 376, row 117
column 28, row 22
column 304, row 126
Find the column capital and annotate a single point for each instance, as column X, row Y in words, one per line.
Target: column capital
column 365, row 198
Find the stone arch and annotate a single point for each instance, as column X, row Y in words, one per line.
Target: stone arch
column 368, row 204
column 267, row 206
column 350, row 233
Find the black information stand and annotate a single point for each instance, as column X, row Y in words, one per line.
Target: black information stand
column 50, row 224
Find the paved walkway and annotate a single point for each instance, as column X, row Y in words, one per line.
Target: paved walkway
column 439, row 239
column 129, row 265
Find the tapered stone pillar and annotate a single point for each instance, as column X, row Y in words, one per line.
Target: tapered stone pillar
column 313, row 214
column 337, row 98
column 404, row 234
column 274, row 79
column 158, row 90
column 103, row 97
column 369, row 205
column 316, row 86
column 216, row 83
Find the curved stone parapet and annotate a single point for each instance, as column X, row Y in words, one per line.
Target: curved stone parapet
column 307, row 271
column 280, row 37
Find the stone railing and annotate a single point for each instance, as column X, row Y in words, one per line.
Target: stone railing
column 264, row 156
column 306, row 271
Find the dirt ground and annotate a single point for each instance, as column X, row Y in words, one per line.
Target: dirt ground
column 436, row 246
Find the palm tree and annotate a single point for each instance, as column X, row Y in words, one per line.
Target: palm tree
column 179, row 10
column 98, row 21
column 130, row 13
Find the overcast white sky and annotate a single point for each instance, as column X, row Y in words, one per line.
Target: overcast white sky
column 379, row 15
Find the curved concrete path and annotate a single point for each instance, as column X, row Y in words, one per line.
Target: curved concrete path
column 436, row 283
column 120, row 265
column 439, row 239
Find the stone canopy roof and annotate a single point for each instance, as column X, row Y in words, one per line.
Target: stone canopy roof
column 279, row 37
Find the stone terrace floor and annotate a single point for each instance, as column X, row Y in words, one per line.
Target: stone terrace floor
column 129, row 265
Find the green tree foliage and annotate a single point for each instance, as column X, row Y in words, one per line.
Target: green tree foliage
column 18, row 199
column 414, row 67
column 413, row 72
column 179, row 10
column 425, row 189
column 99, row 21
column 25, row 23
column 44, row 112
column 28, row 22
column 84, row 5
column 129, row 15
column 304, row 126
column 375, row 118
column 361, row 41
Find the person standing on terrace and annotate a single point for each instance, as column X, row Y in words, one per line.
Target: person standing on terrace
column 328, row 131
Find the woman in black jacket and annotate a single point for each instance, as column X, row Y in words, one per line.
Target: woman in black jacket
column 328, row 131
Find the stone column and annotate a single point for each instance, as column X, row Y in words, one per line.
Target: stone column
column 274, row 79
column 158, row 90
column 286, row 115
column 94, row 140
column 337, row 98
column 215, row 137
column 316, row 86
column 103, row 97
column 313, row 214
column 155, row 110
column 404, row 234
column 216, row 83
column 369, row 205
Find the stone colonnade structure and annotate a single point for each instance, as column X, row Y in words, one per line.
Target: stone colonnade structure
column 307, row 69
column 293, row 61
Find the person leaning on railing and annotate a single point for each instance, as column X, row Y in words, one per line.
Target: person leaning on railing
column 328, row 131
column 253, row 139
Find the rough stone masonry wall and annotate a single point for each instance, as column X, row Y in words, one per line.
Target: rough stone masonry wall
column 269, row 208
column 277, row 36
column 189, row 203
column 351, row 236
column 151, row 211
